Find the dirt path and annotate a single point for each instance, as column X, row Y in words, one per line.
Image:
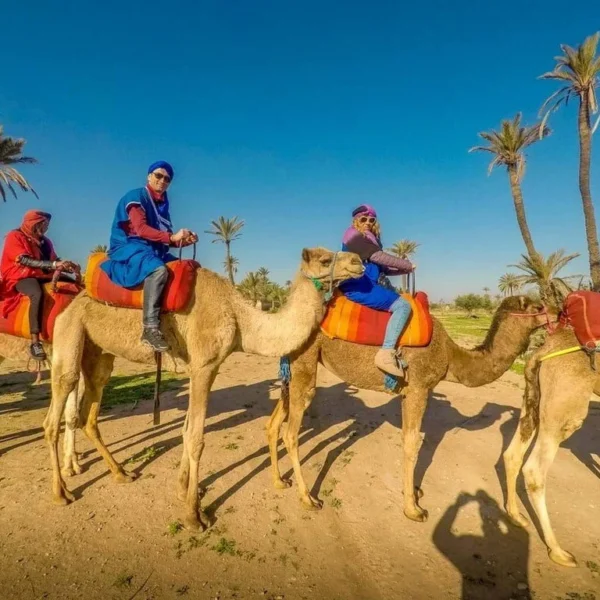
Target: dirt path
column 124, row 541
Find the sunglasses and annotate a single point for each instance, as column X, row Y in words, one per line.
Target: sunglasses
column 160, row 176
column 370, row 220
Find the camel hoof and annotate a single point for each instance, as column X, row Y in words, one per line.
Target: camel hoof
column 311, row 503
column 518, row 519
column 282, row 484
column 562, row 558
column 417, row 514
column 194, row 523
column 63, row 499
column 67, row 472
column 125, row 477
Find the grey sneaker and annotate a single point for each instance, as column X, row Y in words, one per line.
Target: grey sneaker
column 386, row 360
column 155, row 339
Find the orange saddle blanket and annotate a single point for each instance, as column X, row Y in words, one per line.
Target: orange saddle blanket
column 179, row 290
column 17, row 322
column 347, row 320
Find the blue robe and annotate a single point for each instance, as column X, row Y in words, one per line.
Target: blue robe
column 366, row 290
column 131, row 258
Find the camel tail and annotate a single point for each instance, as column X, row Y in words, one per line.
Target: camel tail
column 530, row 415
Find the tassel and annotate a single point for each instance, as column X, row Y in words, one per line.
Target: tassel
column 285, row 373
column 390, row 383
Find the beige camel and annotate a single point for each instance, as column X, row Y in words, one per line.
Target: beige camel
column 441, row 359
column 556, row 400
column 18, row 348
column 217, row 322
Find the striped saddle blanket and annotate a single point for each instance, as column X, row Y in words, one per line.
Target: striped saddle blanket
column 17, row 322
column 178, row 293
column 347, row 320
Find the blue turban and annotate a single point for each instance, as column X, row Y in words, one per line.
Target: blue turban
column 161, row 164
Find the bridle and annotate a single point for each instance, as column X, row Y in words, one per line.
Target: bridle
column 318, row 281
column 550, row 326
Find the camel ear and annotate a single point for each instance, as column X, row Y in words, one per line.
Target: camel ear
column 522, row 302
column 306, row 254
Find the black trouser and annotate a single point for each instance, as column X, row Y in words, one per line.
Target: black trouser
column 154, row 286
column 31, row 288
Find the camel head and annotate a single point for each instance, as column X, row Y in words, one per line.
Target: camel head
column 527, row 314
column 328, row 269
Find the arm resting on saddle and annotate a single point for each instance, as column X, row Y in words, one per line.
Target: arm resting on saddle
column 391, row 265
column 28, row 261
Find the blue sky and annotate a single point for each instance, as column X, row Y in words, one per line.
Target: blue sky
column 289, row 114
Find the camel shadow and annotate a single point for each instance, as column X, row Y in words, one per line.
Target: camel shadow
column 585, row 442
column 343, row 404
column 241, row 400
column 492, row 565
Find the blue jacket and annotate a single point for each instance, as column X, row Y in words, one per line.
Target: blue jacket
column 131, row 258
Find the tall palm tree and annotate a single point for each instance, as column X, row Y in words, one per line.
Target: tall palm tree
column 404, row 249
column 225, row 232
column 507, row 145
column 543, row 272
column 509, row 284
column 578, row 71
column 11, row 154
column 231, row 264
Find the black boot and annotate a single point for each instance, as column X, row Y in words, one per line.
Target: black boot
column 154, row 286
column 37, row 351
column 154, row 338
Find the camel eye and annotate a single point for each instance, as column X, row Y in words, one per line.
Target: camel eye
column 325, row 262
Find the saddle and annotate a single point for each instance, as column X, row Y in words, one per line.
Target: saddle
column 352, row 322
column 178, row 292
column 57, row 296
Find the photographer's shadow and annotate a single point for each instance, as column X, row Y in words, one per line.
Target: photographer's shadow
column 492, row 565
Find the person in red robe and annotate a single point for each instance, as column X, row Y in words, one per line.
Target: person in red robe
column 28, row 260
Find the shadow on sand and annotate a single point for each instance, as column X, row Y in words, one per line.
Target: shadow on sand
column 492, row 565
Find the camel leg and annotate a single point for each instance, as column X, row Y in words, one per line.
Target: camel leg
column 273, row 429
column 97, row 369
column 201, row 381
column 536, row 470
column 184, row 466
column 414, row 404
column 65, row 375
column 514, row 454
column 302, row 386
column 71, row 464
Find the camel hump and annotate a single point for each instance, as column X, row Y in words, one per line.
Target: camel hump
column 17, row 320
column 178, row 293
column 353, row 322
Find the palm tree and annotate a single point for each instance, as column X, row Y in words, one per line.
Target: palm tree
column 231, row 265
column 507, row 146
column 250, row 287
column 11, row 154
column 544, row 273
column 404, row 249
column 578, row 70
column 509, row 284
column 100, row 248
column 225, row 232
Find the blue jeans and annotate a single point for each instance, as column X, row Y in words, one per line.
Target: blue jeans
column 401, row 312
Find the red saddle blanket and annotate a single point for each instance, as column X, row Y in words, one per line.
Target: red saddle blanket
column 54, row 303
column 581, row 311
column 347, row 320
column 179, row 290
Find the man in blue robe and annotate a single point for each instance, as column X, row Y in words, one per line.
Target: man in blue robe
column 140, row 239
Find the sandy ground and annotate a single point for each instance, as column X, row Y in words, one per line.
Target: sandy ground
column 124, row 541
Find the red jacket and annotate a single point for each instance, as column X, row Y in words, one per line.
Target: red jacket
column 17, row 244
